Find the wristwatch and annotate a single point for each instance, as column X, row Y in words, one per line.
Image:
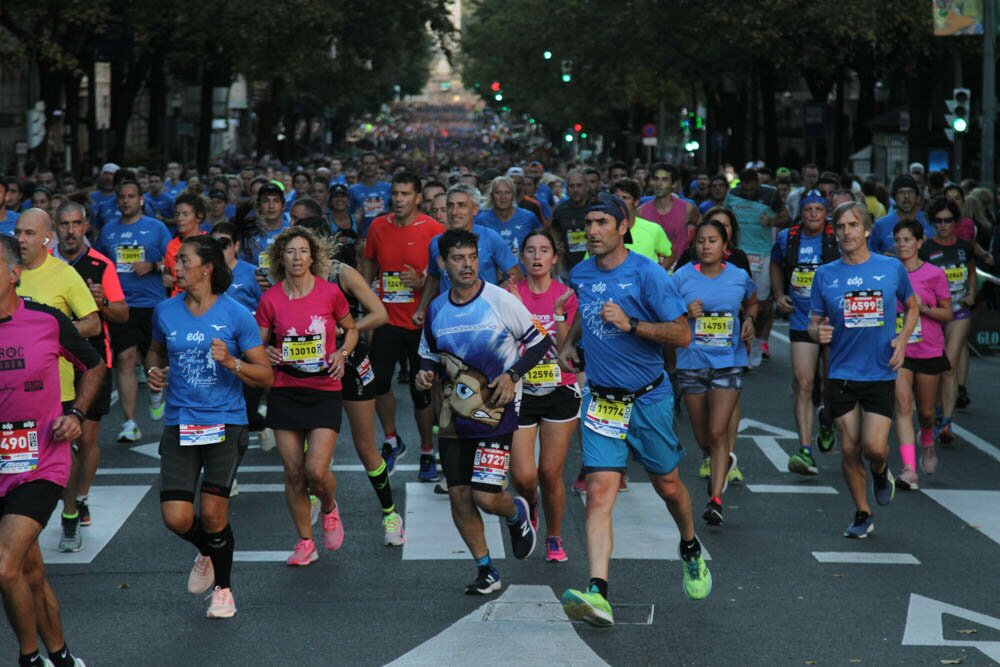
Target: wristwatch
column 513, row 375
column 76, row 412
column 633, row 324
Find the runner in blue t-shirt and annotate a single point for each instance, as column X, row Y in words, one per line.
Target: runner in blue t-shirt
column 628, row 308
column 205, row 347
column 722, row 310
column 854, row 303
column 504, row 217
column 369, row 197
column 906, row 194
column 244, row 288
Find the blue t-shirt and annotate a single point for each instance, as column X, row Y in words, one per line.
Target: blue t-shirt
column 161, row 205
column 715, row 336
column 810, row 256
column 543, row 194
column 494, row 256
column 144, row 240
column 881, row 240
column 472, row 344
column 368, row 202
column 615, row 358
column 513, row 230
column 174, row 190
column 256, row 250
column 97, row 198
column 860, row 300
column 107, row 212
column 245, row 289
column 8, row 224
column 200, row 390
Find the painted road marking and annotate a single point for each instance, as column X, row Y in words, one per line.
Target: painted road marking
column 976, row 508
column 925, row 626
column 431, row 533
column 792, row 488
column 865, row 558
column 261, row 556
column 643, row 528
column 767, row 441
column 976, row 442
column 249, row 469
column 111, row 506
column 546, row 640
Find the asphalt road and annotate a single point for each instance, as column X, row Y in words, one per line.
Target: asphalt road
column 788, row 589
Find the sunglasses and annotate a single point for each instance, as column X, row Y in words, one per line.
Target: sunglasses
column 944, row 221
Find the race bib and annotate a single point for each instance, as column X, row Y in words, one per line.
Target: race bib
column 195, row 435
column 577, row 240
column 373, row 206
column 544, row 375
column 365, row 372
column 608, row 417
column 126, row 255
column 918, row 332
column 18, row 447
column 863, row 309
column 393, row 289
column 491, row 464
column 263, row 260
column 802, row 280
column 756, row 262
column 958, row 277
column 306, row 350
column 714, row 329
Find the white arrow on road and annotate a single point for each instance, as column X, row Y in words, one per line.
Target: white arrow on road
column 924, row 625
column 532, row 626
column 768, row 441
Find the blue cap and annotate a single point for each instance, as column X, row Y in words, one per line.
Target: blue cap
column 612, row 205
column 814, row 197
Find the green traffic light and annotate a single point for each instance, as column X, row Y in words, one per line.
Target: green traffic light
column 567, row 78
column 568, row 138
column 498, row 97
column 547, row 55
column 960, row 124
column 583, row 135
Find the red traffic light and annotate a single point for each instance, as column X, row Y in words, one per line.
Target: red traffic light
column 578, row 127
column 495, row 86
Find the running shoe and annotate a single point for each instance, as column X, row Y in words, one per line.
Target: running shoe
column 705, row 471
column 522, row 533
column 756, row 354
column 84, row 511
column 140, row 374
column 554, row 552
column 883, row 486
column 441, row 488
column 487, row 581
column 765, row 349
column 623, row 482
column 400, row 449
column 725, row 482
column 827, row 436
column 314, row 510
column 928, row 460
column 267, row 441
column 713, row 513
column 533, row 513
column 697, row 578
column 305, row 553
column 156, row 405
column 945, row 436
column 129, row 432
column 863, row 525
column 734, row 476
column 580, row 484
column 962, row 401
column 71, row 540
column 907, row 479
column 202, row 575
column 428, row 470
column 802, row 462
column 222, row 604
column 393, row 536
column 333, row 529
column 589, row 607
column 389, row 457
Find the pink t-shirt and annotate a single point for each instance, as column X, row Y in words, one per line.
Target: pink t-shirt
column 931, row 285
column 305, row 330
column 674, row 223
column 542, row 306
column 965, row 229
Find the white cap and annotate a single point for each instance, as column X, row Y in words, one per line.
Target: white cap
column 515, row 171
column 916, row 168
column 110, row 168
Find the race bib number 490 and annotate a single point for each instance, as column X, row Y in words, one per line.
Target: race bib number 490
column 18, row 447
column 864, row 308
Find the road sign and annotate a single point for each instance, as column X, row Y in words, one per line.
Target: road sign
column 648, row 130
column 649, row 141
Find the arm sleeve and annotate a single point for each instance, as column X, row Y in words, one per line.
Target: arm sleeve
column 816, row 303
column 247, row 332
column 430, row 356
column 111, row 284
column 340, row 306
column 664, row 296
column 939, row 286
column 265, row 313
column 750, row 287
column 532, row 335
column 72, row 346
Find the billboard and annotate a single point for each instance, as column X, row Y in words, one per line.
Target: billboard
column 957, row 17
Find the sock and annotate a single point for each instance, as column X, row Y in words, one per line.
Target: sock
column 29, row 659
column 196, row 536
column 62, row 657
column 81, row 499
column 427, row 448
column 390, row 438
column 945, row 421
column 484, row 561
column 690, row 549
column 808, row 448
column 715, row 499
column 598, row 586
column 909, row 455
column 927, row 436
column 380, row 482
column 220, row 550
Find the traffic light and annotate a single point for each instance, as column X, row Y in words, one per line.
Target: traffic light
column 547, row 55
column 958, row 108
column 498, row 97
column 567, row 71
column 495, row 86
column 569, row 137
column 577, row 127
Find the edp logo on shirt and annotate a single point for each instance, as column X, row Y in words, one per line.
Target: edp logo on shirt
column 196, row 337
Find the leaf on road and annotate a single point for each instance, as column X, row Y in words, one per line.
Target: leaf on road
column 122, row 587
column 810, row 662
column 967, row 631
column 952, row 661
column 854, row 660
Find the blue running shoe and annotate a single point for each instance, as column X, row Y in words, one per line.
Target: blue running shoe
column 428, row 470
column 863, row 525
column 400, row 449
column 883, row 486
column 488, row 581
column 389, row 456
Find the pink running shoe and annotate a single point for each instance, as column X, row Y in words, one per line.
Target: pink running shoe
column 222, row 605
column 202, row 575
column 305, row 553
column 554, row 550
column 333, row 529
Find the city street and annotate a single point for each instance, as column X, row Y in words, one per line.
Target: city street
column 924, row 589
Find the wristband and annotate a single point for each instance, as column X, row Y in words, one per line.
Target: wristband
column 559, row 318
column 239, row 365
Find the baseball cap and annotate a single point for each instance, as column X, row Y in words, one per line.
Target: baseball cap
column 612, row 205
column 904, row 181
column 110, row 168
column 338, row 189
column 782, row 171
column 814, row 197
column 916, row 168
column 218, row 194
column 270, row 188
column 515, row 171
